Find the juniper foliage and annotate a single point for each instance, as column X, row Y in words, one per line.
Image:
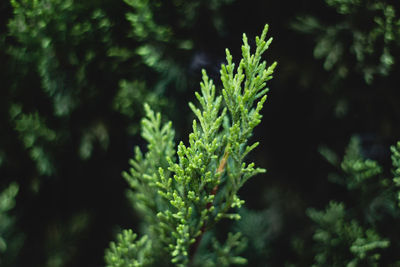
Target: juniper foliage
column 370, row 44
column 10, row 241
column 356, row 166
column 74, row 78
column 152, row 47
column 181, row 199
column 42, row 30
column 342, row 241
column 395, row 149
column 357, row 235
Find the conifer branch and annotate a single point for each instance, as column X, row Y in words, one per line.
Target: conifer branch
column 183, row 198
column 220, row 170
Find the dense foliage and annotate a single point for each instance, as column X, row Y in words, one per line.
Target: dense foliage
column 181, row 199
column 74, row 77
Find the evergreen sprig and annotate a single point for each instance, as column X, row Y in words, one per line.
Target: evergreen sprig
column 143, row 175
column 130, row 252
column 342, row 241
column 183, row 198
column 7, row 233
column 395, row 149
column 347, row 45
column 356, row 166
column 356, row 236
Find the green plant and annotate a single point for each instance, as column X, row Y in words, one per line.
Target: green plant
column 395, row 149
column 160, row 48
column 364, row 37
column 341, row 241
column 10, row 241
column 183, row 195
column 358, row 235
column 74, row 78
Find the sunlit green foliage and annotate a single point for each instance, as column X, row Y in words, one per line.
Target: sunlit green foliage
column 76, row 75
column 181, row 200
column 129, row 252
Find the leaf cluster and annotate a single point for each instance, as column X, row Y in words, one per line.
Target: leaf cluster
column 370, row 44
column 9, row 239
column 357, row 236
column 183, row 198
column 341, row 241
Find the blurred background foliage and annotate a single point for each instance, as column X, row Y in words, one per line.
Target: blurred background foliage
column 74, row 77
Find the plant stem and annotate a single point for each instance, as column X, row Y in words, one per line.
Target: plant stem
column 220, row 170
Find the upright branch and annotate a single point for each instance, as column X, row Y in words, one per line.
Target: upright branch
column 192, row 193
